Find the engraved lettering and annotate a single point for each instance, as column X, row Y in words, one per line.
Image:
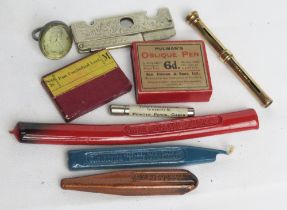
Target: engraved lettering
column 172, row 154
column 179, row 125
column 107, row 32
column 160, row 177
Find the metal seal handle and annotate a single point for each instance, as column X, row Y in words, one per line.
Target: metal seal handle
column 36, row 33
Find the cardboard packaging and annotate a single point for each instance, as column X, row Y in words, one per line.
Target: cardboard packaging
column 86, row 84
column 171, row 71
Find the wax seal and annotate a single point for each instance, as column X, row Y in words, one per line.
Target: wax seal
column 147, row 156
column 55, row 39
column 135, row 182
column 139, row 133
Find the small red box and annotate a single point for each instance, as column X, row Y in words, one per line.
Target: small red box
column 86, row 84
column 171, row 71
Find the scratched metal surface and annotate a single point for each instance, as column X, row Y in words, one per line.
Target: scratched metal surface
column 111, row 32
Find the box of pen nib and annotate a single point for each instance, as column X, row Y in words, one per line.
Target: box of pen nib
column 86, row 84
column 171, row 71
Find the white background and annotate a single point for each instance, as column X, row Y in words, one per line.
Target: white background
column 253, row 177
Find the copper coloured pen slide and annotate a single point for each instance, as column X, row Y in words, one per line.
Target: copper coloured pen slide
column 151, row 132
column 135, row 182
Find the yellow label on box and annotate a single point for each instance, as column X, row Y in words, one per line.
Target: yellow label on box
column 79, row 73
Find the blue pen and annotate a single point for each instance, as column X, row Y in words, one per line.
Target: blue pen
column 135, row 157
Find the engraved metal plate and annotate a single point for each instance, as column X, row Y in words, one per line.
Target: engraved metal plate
column 121, row 31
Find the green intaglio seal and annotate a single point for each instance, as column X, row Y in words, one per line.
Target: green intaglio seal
column 55, row 39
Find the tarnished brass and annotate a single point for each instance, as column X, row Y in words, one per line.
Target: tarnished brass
column 135, row 182
column 227, row 57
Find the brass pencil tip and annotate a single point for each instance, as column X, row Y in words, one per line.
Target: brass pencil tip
column 192, row 17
